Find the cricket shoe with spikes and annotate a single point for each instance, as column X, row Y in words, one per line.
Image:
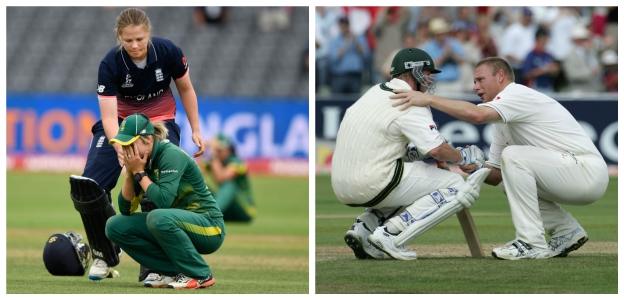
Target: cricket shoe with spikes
column 519, row 249
column 384, row 241
column 184, row 282
column 155, row 280
column 566, row 243
column 357, row 239
column 100, row 270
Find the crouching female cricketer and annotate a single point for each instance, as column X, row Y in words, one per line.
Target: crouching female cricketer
column 187, row 222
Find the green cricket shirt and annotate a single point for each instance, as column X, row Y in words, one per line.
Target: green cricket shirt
column 177, row 183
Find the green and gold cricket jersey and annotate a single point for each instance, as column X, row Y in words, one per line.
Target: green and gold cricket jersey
column 177, row 183
column 234, row 196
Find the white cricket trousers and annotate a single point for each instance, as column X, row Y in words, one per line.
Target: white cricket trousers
column 536, row 180
column 419, row 179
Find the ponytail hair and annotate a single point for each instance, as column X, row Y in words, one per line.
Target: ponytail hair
column 160, row 131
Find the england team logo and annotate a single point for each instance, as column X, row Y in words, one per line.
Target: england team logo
column 128, row 83
column 159, row 75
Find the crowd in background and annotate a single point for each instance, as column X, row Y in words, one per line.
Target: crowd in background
column 552, row 49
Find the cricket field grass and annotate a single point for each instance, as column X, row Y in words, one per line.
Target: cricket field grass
column 269, row 255
column 444, row 264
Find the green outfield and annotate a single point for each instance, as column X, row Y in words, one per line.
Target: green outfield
column 268, row 256
column 444, row 265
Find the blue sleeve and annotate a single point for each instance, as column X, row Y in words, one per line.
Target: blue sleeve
column 177, row 62
column 107, row 78
column 527, row 64
column 458, row 48
column 334, row 45
column 362, row 41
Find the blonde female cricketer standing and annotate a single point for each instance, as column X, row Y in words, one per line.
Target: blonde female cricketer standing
column 133, row 77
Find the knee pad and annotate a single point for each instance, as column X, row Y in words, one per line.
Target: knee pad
column 94, row 206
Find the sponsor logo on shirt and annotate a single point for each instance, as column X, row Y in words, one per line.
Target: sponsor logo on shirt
column 101, row 88
column 159, row 75
column 128, row 83
column 168, row 171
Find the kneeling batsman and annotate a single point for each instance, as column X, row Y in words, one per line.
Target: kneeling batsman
column 429, row 210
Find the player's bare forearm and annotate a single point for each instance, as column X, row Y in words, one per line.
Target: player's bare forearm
column 462, row 110
column 220, row 172
column 495, row 177
column 189, row 101
column 445, row 153
column 127, row 190
column 108, row 111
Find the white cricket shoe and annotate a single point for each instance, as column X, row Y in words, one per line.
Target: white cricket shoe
column 184, row 282
column 384, row 241
column 518, row 249
column 155, row 280
column 357, row 239
column 566, row 243
column 100, row 270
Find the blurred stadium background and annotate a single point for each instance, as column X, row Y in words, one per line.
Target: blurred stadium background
column 248, row 67
column 569, row 53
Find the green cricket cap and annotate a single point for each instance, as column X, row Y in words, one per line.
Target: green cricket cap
column 131, row 128
column 223, row 140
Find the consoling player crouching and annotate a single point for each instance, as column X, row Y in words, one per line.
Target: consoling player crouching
column 186, row 223
column 539, row 152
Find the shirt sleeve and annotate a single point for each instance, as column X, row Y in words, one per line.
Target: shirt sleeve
column 128, row 207
column 106, row 80
column 418, row 126
column 239, row 167
column 179, row 65
column 165, row 190
column 511, row 108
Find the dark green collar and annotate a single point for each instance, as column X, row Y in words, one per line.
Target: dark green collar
column 385, row 87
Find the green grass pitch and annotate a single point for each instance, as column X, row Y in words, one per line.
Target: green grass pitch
column 444, row 264
column 268, row 256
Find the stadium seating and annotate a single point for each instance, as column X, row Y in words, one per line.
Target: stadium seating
column 58, row 49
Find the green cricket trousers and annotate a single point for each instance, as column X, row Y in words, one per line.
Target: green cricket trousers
column 234, row 203
column 168, row 241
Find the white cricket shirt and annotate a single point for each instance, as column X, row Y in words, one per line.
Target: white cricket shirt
column 371, row 140
column 534, row 119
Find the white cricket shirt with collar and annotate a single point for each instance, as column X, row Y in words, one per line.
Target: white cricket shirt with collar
column 371, row 140
column 531, row 118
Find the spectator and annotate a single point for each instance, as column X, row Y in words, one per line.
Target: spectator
column 560, row 43
column 347, row 57
column 484, row 37
column 274, row 18
column 408, row 41
column 472, row 54
column 518, row 40
column 539, row 67
column 447, row 54
column 389, row 35
column 581, row 66
column 609, row 61
column 326, row 30
column 210, row 15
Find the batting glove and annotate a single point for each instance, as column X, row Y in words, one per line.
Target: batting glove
column 471, row 155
